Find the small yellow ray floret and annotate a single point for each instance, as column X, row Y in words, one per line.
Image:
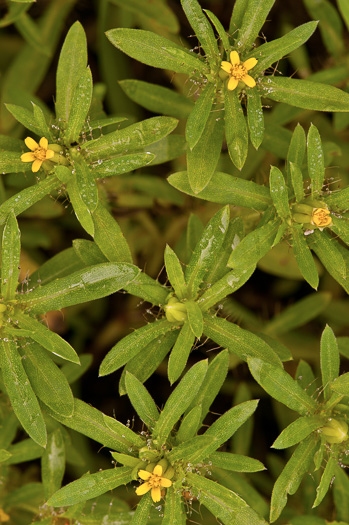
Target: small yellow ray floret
column 238, row 70
column 154, row 481
column 39, row 152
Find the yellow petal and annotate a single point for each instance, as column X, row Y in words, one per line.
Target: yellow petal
column 157, row 470
column 226, row 66
column 156, row 494
column 233, row 82
column 234, row 58
column 43, row 143
column 31, row 144
column 27, row 157
column 49, row 154
column 143, row 489
column 249, row 81
column 250, row 63
column 165, row 482
column 144, row 474
column 36, row 165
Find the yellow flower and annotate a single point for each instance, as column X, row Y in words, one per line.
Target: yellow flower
column 321, row 217
column 38, row 154
column 153, row 481
column 238, row 71
column 3, row 516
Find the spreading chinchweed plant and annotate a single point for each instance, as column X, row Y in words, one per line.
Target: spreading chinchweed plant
column 186, row 463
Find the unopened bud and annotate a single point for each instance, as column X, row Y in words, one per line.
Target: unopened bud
column 335, row 431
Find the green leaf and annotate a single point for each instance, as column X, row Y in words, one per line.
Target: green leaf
column 304, row 258
column 86, row 184
column 132, row 138
column 71, row 65
column 340, row 226
column 25, row 450
column 157, row 99
column 254, row 246
column 180, row 352
column 20, row 392
column 122, row 164
column 195, row 318
column 305, row 94
column 296, row 153
column 81, row 210
column 239, row 342
column 191, row 450
column 255, row 118
column 205, row 253
column 81, row 286
column 280, row 385
column 10, row 254
column 199, row 115
column 330, row 25
column 155, row 11
column 297, row 181
column 235, row 462
column 227, row 424
column 237, row 15
column 179, row 400
column 25, row 117
column 235, row 128
column 344, row 10
column 94, row 424
column 299, row 313
column 141, row 400
column 223, row 503
column 189, row 424
column 226, row 189
column 203, row 158
column 212, row 383
column 109, row 237
column 141, row 515
column 53, row 463
column 174, row 509
column 329, row 360
column 326, row 480
column 220, row 29
column 40, row 119
column 271, row 52
column 341, row 384
column 149, row 289
column 25, row 198
column 132, row 344
column 90, row 486
column 279, row 193
column 297, row 431
column 253, row 19
column 316, row 166
column 154, row 50
column 202, row 28
column 144, row 364
column 175, row 272
column 330, row 254
column 48, row 382
column 88, row 252
column 80, row 105
column 291, row 476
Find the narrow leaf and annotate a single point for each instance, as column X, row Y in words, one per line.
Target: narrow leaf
column 202, row 28
column 255, row 118
column 141, row 400
column 180, row 352
column 235, row 128
column 10, row 255
column 80, row 105
column 297, row 431
column 109, row 237
column 329, row 360
column 316, row 166
column 304, row 258
column 175, row 273
column 279, row 193
column 199, row 115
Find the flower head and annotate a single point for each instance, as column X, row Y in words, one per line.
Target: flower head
column 321, row 217
column 154, row 481
column 238, row 71
column 39, row 152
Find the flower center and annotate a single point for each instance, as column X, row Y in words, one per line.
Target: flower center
column 238, row 71
column 321, row 217
column 40, row 153
column 155, row 481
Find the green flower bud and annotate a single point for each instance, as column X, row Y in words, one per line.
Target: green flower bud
column 175, row 310
column 148, row 454
column 169, row 473
column 335, row 431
